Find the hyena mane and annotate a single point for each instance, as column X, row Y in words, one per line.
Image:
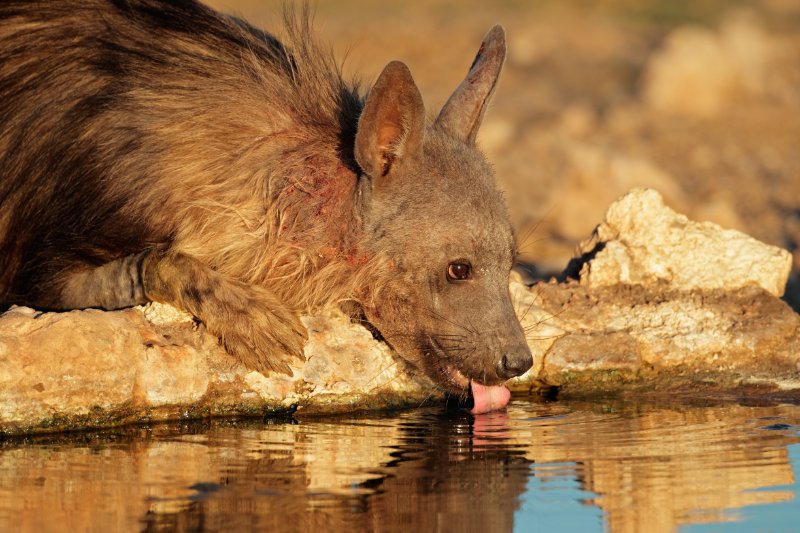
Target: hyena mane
column 135, row 124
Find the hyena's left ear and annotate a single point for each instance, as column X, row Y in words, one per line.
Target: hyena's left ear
column 392, row 124
column 462, row 113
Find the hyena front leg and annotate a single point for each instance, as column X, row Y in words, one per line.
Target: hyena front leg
column 253, row 324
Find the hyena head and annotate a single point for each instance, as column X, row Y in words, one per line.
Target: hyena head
column 432, row 211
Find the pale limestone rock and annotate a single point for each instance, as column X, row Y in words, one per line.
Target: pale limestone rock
column 171, row 375
column 163, row 314
column 646, row 336
column 660, row 296
column 94, row 368
column 273, row 389
column 346, row 358
column 43, row 363
column 642, row 241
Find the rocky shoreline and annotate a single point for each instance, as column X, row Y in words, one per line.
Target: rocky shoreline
column 653, row 304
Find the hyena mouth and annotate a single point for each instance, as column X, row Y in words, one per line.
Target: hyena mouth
column 485, row 398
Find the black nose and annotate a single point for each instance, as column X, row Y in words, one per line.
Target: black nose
column 514, row 364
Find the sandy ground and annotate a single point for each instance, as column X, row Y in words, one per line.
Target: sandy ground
column 699, row 99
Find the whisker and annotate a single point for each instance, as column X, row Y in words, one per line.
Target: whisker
column 449, row 336
column 438, row 316
column 521, row 318
column 536, row 296
column 523, row 240
column 527, row 338
column 548, row 318
column 452, row 349
column 540, row 239
column 433, row 389
column 382, row 371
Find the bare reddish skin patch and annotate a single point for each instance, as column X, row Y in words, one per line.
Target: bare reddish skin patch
column 488, row 397
column 356, row 258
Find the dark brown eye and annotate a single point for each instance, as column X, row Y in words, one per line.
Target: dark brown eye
column 458, row 271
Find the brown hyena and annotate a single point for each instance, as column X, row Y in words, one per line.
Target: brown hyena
column 155, row 150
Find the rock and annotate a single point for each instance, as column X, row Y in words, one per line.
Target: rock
column 93, row 368
column 45, row 360
column 699, row 71
column 663, row 301
column 642, row 241
column 625, row 337
column 661, row 304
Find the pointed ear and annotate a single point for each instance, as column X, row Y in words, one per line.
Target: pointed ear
column 462, row 113
column 392, row 123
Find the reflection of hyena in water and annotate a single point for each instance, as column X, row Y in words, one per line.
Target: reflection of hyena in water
column 156, row 150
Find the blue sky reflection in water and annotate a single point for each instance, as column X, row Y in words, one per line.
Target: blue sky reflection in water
column 555, row 501
column 560, row 466
column 777, row 517
column 731, row 488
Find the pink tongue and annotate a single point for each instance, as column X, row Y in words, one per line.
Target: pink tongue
column 488, row 397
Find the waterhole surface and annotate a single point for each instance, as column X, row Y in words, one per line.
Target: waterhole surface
column 560, row 466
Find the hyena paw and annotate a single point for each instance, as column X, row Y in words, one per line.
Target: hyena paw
column 264, row 335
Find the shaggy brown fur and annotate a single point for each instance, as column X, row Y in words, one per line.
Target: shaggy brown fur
column 157, row 150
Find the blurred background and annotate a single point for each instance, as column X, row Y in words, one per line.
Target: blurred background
column 699, row 99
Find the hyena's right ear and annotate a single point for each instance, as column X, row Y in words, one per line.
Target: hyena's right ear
column 392, row 124
column 462, row 113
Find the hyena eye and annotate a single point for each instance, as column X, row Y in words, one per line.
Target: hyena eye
column 458, row 271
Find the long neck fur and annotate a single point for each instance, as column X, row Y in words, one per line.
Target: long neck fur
column 195, row 129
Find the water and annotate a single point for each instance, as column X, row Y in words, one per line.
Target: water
column 538, row 467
